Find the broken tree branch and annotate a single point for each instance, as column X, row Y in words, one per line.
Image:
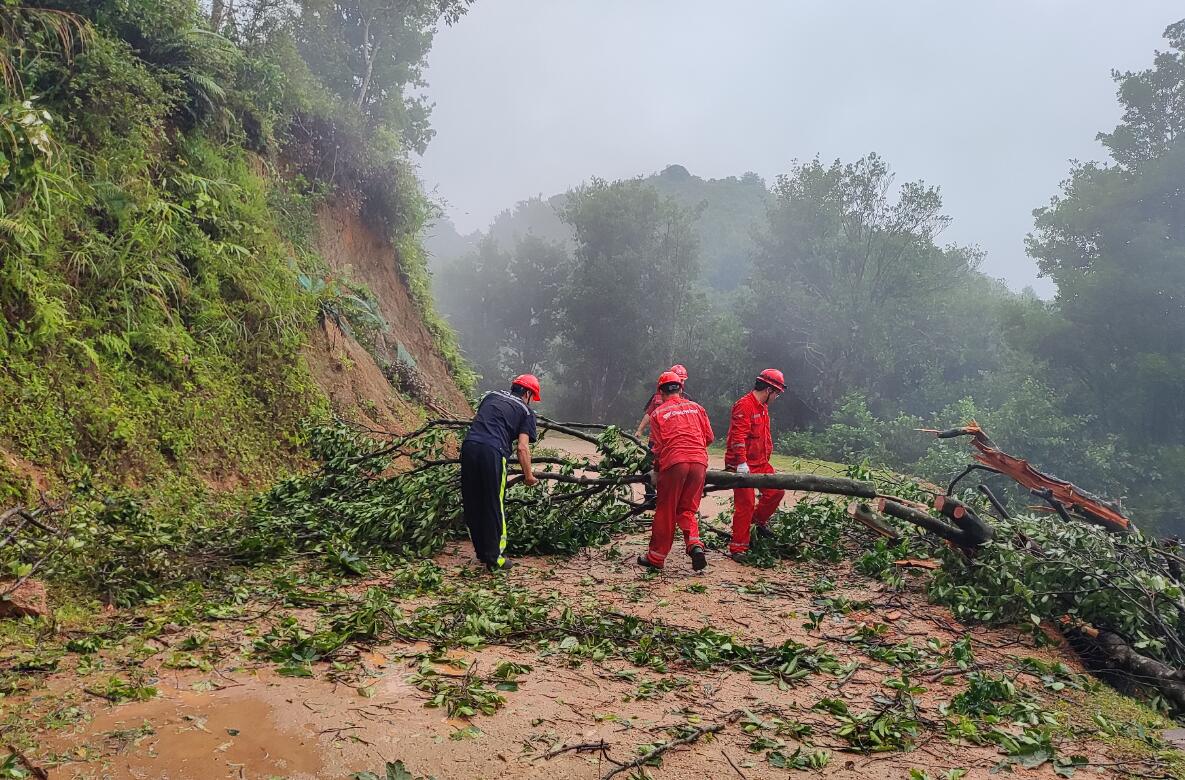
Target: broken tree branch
column 864, row 514
column 1073, row 499
column 694, row 736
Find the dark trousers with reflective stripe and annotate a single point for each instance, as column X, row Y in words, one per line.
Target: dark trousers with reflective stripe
column 483, row 492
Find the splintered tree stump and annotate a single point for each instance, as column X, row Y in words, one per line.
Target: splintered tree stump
column 864, row 514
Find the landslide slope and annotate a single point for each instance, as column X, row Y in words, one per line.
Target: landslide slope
column 180, row 284
column 202, row 247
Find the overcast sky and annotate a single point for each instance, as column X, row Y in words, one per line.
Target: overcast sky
column 989, row 100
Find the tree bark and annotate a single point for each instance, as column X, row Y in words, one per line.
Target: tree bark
column 370, row 53
column 807, row 483
column 1117, row 655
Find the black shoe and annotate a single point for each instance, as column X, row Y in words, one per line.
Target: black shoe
column 506, row 564
column 699, row 561
column 739, row 557
column 763, row 532
column 646, row 563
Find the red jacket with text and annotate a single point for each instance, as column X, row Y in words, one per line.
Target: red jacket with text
column 749, row 440
column 681, row 433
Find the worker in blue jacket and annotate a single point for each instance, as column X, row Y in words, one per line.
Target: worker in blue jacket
column 502, row 419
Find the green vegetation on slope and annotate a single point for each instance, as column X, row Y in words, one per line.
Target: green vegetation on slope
column 158, row 183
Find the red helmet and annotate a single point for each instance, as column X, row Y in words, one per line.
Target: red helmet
column 669, row 378
column 530, row 382
column 774, row 378
column 679, row 370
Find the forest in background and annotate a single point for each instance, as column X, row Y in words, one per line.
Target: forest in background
column 838, row 274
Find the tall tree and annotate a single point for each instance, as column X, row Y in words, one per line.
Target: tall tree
column 1114, row 241
column 635, row 266
column 472, row 292
column 1153, row 105
column 506, row 305
column 539, row 270
column 848, row 282
column 369, row 51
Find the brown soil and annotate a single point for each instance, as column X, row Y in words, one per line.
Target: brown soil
column 257, row 725
column 242, row 721
column 27, row 598
column 351, row 246
column 24, row 471
column 354, row 383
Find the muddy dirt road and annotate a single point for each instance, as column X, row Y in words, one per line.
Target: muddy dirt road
column 231, row 715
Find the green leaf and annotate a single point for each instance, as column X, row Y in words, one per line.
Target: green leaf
column 397, row 771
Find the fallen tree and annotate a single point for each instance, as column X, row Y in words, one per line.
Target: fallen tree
column 378, row 496
column 624, row 462
column 1022, row 569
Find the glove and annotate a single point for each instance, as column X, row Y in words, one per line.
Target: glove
column 742, row 468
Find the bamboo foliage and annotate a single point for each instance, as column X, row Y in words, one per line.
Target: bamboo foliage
column 19, row 39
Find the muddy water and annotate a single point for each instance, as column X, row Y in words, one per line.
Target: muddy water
column 250, row 729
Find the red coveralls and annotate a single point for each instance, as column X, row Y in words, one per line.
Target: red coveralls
column 681, row 433
column 749, row 441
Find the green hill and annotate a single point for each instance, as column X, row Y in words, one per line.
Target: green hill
column 203, row 242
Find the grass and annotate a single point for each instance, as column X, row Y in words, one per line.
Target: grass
column 1128, row 725
column 792, row 463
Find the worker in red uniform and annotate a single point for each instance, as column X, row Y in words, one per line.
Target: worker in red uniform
column 747, row 451
column 655, row 399
column 681, row 434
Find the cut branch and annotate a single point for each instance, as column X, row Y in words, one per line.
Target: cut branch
column 807, row 483
column 694, row 736
column 864, row 514
column 968, row 533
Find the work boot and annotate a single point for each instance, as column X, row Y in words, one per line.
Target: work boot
column 646, row 563
column 739, row 557
column 507, row 564
column 763, row 532
column 699, row 561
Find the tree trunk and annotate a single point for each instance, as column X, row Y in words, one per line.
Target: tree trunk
column 1110, row 652
column 370, row 53
column 217, row 11
column 808, row 483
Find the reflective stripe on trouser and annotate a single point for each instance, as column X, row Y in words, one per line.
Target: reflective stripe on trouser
column 502, row 514
column 483, row 493
column 748, row 510
column 679, row 490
